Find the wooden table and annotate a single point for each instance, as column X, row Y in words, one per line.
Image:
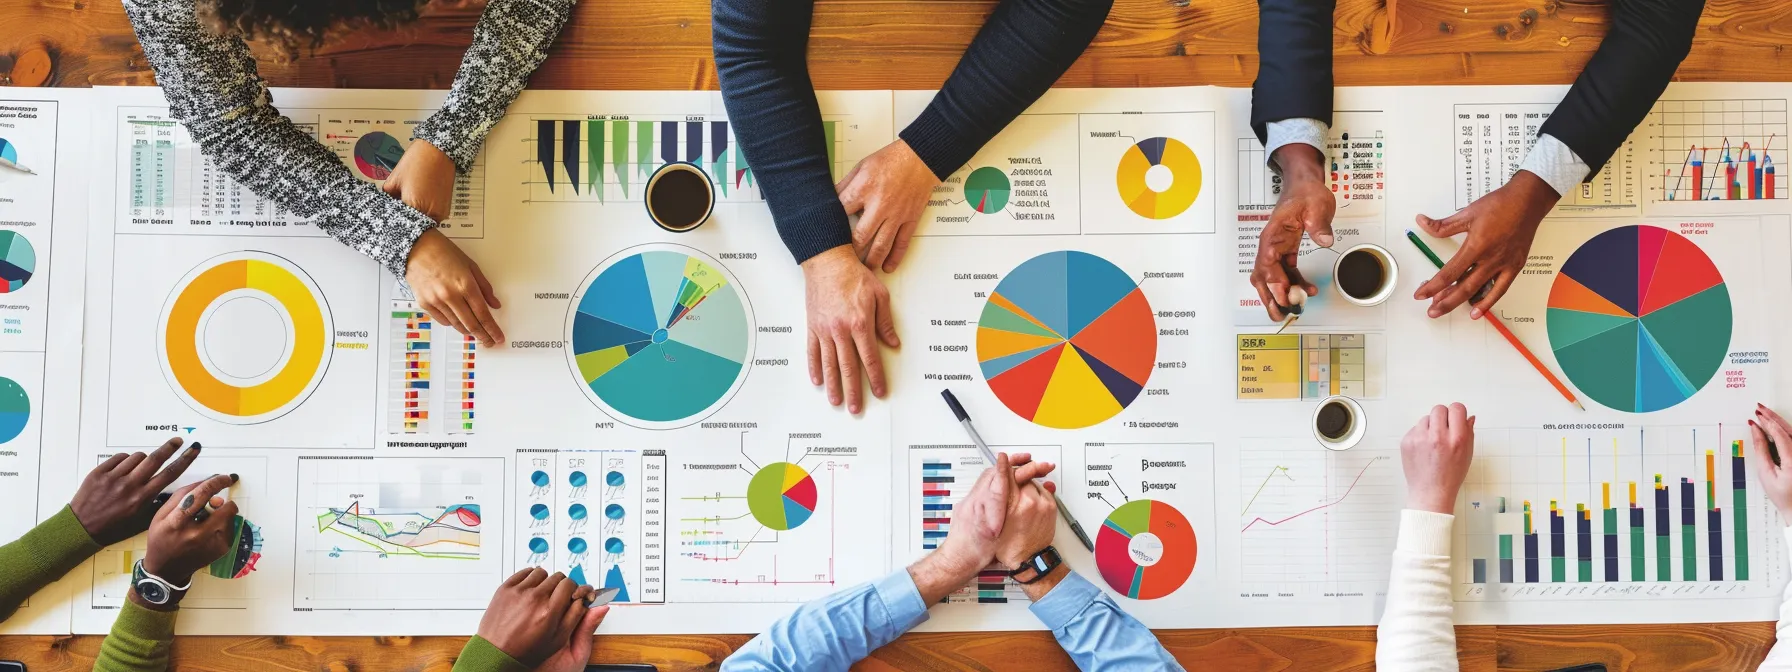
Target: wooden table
column 881, row 44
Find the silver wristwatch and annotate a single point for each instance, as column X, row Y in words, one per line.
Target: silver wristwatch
column 154, row 589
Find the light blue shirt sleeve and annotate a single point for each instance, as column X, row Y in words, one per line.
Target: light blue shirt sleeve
column 836, row 631
column 1290, row 131
column 1096, row 633
column 1558, row 165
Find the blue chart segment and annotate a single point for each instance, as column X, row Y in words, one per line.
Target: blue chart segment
column 18, row 260
column 9, row 151
column 15, row 409
column 660, row 338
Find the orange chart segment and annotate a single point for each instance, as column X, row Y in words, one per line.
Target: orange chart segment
column 1145, row 550
column 1569, row 294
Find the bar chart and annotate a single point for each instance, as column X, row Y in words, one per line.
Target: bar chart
column 1610, row 512
column 1718, row 150
column 609, row 158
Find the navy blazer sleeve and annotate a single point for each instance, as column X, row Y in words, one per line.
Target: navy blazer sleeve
column 1614, row 92
column 1294, row 71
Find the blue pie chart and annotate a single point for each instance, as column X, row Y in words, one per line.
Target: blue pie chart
column 15, row 409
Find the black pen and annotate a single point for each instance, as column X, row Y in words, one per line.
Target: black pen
column 990, row 455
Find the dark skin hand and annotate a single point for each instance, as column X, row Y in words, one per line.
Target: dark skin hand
column 533, row 615
column 183, row 540
column 115, row 501
column 1305, row 207
column 1500, row 227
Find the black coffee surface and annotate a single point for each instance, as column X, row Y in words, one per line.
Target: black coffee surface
column 1334, row 420
column 678, row 199
column 1360, row 274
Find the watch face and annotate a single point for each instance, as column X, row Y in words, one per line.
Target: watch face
column 152, row 592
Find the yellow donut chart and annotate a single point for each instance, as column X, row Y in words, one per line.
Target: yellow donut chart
column 303, row 350
column 1185, row 172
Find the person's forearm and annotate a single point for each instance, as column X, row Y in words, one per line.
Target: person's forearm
column 480, row 655
column 836, row 631
column 1416, row 631
column 139, row 642
column 213, row 89
column 1633, row 65
column 41, row 556
column 1092, row 629
column 509, row 42
column 1023, row 48
column 762, row 65
column 1294, row 65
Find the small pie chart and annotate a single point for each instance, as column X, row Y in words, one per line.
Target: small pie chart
column 1159, row 178
column 986, row 190
column 781, row 496
column 18, row 260
column 1145, row 549
column 15, row 409
column 9, row 151
column 377, row 153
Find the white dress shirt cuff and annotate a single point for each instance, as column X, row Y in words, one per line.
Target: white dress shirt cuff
column 1424, row 532
column 1556, row 164
column 1288, row 131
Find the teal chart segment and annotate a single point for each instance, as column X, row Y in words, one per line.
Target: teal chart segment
column 660, row 336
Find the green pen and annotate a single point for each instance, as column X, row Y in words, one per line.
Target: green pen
column 1424, row 248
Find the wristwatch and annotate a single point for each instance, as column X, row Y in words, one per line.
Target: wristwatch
column 1036, row 567
column 154, row 589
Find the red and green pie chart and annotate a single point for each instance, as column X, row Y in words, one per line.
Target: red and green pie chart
column 781, row 496
column 1067, row 340
column 1639, row 318
column 1145, row 549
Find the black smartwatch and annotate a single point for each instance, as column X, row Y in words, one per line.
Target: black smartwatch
column 154, row 589
column 1036, row 567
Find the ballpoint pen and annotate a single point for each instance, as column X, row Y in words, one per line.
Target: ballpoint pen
column 990, row 455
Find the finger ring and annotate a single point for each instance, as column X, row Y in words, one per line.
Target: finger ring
column 204, row 513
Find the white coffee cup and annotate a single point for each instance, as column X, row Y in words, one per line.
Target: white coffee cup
column 1330, row 434
column 1390, row 274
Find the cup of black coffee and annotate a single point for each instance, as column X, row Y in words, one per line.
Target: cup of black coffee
column 680, row 197
column 1338, row 422
column 1365, row 275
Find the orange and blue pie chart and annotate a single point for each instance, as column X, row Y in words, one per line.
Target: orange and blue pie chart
column 1145, row 549
column 377, row 154
column 1159, row 178
column 245, row 337
column 781, row 496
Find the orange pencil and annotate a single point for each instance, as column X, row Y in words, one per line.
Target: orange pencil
column 1501, row 327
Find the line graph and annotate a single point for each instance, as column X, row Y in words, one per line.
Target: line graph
column 388, row 532
column 1314, row 523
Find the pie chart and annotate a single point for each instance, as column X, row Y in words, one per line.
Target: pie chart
column 781, row 496
column 9, row 151
column 660, row 336
column 15, row 409
column 987, row 190
column 1639, row 318
column 1067, row 340
column 1145, row 549
column 245, row 337
column 377, row 153
column 1159, row 177
column 17, row 261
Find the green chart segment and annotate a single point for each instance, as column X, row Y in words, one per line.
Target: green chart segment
column 660, row 337
column 782, row 496
column 986, row 190
column 1639, row 318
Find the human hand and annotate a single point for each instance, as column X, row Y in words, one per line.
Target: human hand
column 115, row 502
column 1776, row 479
column 1305, row 206
column 451, row 288
column 423, row 179
column 1500, row 228
column 576, row 652
column 849, row 312
column 533, row 615
column 887, row 190
column 185, row 536
column 1435, row 454
column 1032, row 518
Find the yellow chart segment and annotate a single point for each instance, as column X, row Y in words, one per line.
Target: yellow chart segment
column 1185, row 172
column 295, row 297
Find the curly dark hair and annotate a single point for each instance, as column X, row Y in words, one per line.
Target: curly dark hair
column 296, row 24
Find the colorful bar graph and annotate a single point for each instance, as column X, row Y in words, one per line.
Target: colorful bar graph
column 1530, row 546
column 1558, row 544
column 1610, row 528
column 1688, row 534
column 1636, row 538
column 937, row 482
column 1505, row 549
column 1583, row 537
column 1739, row 484
column 1714, row 516
column 1663, row 561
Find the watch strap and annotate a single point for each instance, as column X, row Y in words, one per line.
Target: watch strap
column 139, row 575
column 1037, row 567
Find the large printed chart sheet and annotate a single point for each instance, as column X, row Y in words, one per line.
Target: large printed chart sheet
column 1082, row 284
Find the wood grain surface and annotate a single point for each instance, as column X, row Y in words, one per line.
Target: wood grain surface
column 881, row 44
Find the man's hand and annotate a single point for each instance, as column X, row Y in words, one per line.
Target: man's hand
column 849, row 312
column 115, row 501
column 971, row 543
column 887, row 190
column 576, row 653
column 186, row 536
column 423, row 179
column 1032, row 514
column 1436, row 453
column 1500, row 227
column 1306, row 206
column 533, row 615
column 1776, row 479
column 452, row 289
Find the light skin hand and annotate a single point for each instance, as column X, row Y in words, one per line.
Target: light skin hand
column 1435, row 454
column 976, row 526
column 451, row 288
column 1306, row 206
column 1500, row 227
column 1032, row 513
column 887, row 190
column 1776, row 480
column 423, row 179
column 114, row 502
column 849, row 314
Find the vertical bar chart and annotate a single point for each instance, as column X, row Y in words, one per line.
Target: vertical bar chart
column 599, row 159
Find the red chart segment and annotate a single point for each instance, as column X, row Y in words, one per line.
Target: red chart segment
column 1145, row 549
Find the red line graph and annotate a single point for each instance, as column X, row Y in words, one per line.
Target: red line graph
column 1353, row 482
